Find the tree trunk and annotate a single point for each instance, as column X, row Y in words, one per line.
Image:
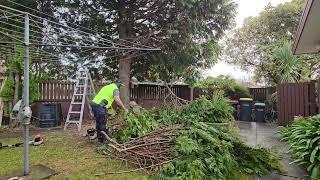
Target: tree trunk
column 124, row 75
column 124, row 63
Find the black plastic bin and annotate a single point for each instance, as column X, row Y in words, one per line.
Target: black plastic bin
column 260, row 112
column 245, row 109
column 49, row 115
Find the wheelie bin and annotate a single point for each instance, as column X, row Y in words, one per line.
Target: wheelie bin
column 245, row 109
column 260, row 112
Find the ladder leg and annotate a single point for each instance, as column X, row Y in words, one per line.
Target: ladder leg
column 82, row 90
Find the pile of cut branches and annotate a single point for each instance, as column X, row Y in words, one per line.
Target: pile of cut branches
column 149, row 151
column 194, row 141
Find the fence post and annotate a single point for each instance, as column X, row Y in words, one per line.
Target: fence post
column 312, row 98
column 191, row 93
column 318, row 94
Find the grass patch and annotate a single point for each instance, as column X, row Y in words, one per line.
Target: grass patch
column 72, row 156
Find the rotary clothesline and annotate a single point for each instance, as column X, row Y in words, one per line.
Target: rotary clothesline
column 76, row 25
column 27, row 35
column 47, row 45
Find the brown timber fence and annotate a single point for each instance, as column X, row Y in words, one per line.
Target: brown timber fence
column 297, row 99
column 62, row 91
column 147, row 95
column 262, row 94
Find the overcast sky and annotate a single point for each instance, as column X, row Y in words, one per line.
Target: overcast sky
column 246, row 8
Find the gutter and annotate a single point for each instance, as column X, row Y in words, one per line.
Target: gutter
column 302, row 24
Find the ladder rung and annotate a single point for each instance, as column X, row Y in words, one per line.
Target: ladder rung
column 75, row 112
column 76, row 103
column 73, row 122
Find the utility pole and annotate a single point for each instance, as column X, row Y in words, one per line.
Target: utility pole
column 26, row 121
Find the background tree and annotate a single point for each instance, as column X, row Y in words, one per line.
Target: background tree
column 283, row 67
column 253, row 45
column 186, row 31
column 229, row 86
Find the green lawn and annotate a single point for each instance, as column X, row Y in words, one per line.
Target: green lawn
column 72, row 156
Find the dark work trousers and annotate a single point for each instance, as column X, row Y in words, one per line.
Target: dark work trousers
column 100, row 114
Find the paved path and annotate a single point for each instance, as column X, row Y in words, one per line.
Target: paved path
column 265, row 135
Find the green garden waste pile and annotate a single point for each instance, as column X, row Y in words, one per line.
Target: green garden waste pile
column 197, row 140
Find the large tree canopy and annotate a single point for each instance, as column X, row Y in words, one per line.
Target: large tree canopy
column 186, row 31
column 256, row 43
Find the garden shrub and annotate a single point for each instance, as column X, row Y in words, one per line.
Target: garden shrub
column 229, row 86
column 303, row 136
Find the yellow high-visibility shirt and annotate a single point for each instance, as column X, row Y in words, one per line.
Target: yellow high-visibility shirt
column 107, row 93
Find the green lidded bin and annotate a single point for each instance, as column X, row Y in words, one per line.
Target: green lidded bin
column 260, row 112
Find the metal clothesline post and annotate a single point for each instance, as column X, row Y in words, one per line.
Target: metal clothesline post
column 26, row 95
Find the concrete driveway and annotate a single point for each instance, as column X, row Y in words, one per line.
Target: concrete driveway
column 265, row 135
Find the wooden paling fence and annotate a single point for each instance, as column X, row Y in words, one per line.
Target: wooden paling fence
column 147, row 95
column 262, row 94
column 297, row 99
column 62, row 91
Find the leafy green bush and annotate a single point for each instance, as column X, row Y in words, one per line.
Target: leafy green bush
column 7, row 94
column 304, row 139
column 229, row 86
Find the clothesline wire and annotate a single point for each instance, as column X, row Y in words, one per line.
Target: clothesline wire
column 88, row 29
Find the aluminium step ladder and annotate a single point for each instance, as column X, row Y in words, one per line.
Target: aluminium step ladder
column 83, row 91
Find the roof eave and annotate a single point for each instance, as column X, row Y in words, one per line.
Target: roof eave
column 301, row 26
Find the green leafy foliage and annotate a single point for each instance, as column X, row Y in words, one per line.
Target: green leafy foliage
column 209, row 148
column 216, row 152
column 15, row 73
column 255, row 44
column 258, row 161
column 138, row 125
column 214, row 110
column 304, row 139
column 7, row 94
column 186, row 43
column 8, row 88
column 229, row 86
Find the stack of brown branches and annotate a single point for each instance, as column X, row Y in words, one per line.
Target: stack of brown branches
column 149, row 152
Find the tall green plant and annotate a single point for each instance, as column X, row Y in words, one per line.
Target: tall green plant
column 289, row 67
column 304, row 139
